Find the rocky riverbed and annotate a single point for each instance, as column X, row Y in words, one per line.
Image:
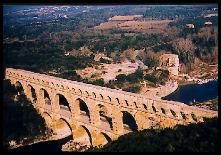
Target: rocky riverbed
column 72, row 146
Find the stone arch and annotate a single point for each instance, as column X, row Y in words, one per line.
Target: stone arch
column 83, row 135
column 163, row 111
column 80, row 91
column 63, row 102
column 73, row 90
column 19, row 87
column 154, row 109
column 101, row 139
column 101, row 97
column 109, row 98
column 129, row 122
column 48, row 119
column 102, row 116
column 62, row 128
column 145, row 106
column 67, row 88
column 118, row 101
column 135, row 104
column 87, row 94
column 33, row 93
column 126, row 102
column 173, row 113
column 194, row 117
column 183, row 115
column 45, row 96
column 82, row 109
column 94, row 95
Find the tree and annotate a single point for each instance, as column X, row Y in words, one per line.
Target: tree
column 183, row 45
column 185, row 50
column 151, row 78
column 121, row 78
column 151, row 62
column 133, row 89
column 99, row 82
column 128, row 54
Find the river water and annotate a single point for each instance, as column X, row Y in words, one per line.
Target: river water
column 198, row 92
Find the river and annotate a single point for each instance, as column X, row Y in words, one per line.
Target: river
column 198, row 92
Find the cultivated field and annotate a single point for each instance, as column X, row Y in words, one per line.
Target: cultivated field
column 148, row 26
column 145, row 25
column 129, row 17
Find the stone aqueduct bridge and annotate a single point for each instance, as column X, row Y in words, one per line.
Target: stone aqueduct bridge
column 96, row 115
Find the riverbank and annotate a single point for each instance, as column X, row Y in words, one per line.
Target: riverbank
column 72, row 146
column 161, row 90
column 209, row 105
column 185, row 79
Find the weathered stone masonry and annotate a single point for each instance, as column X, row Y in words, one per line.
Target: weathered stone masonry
column 146, row 111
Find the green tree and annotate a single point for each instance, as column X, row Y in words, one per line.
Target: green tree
column 151, row 62
column 121, row 78
column 99, row 82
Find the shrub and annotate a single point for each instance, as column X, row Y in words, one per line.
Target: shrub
column 133, row 89
column 151, row 78
column 151, row 62
column 99, row 82
column 121, row 78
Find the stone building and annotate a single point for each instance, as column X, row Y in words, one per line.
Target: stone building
column 98, row 56
column 190, row 26
column 208, row 23
column 169, row 62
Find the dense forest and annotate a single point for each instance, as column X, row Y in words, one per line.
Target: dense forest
column 202, row 137
column 41, row 44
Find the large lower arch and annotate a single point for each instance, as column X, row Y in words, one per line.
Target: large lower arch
column 129, row 123
column 33, row 93
column 19, row 88
column 101, row 139
column 62, row 128
column 82, row 135
column 45, row 96
column 103, row 117
column 48, row 119
column 82, row 110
